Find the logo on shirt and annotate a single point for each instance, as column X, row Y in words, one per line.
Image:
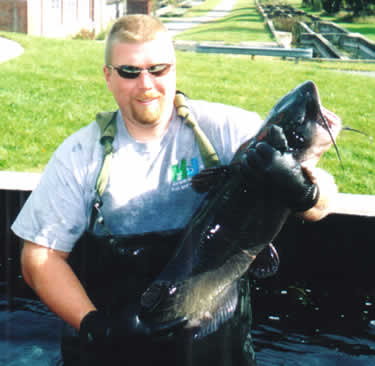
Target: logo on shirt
column 183, row 170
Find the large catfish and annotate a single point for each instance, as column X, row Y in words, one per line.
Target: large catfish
column 237, row 220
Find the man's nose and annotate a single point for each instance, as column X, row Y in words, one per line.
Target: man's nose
column 146, row 79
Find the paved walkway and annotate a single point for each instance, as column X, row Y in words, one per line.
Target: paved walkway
column 9, row 49
column 178, row 25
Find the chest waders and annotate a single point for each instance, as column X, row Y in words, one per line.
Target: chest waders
column 116, row 270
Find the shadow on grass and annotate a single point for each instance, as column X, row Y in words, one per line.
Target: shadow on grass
column 202, row 12
column 239, row 18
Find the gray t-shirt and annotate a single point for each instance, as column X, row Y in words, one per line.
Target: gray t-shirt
column 149, row 187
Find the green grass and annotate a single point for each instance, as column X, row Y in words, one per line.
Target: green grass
column 57, row 86
column 243, row 24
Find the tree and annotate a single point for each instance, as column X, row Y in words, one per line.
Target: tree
column 332, row 6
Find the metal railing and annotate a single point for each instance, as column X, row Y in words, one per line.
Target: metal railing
column 253, row 51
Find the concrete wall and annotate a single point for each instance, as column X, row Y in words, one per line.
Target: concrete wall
column 359, row 45
column 328, row 27
column 340, row 247
column 306, row 37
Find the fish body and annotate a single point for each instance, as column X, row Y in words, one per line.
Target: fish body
column 237, row 219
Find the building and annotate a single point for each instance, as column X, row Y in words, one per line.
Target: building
column 57, row 18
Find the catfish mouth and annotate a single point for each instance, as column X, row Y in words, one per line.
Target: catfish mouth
column 307, row 116
column 305, row 120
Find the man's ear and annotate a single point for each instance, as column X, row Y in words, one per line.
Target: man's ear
column 107, row 74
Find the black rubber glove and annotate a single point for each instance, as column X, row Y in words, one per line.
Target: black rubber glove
column 282, row 173
column 97, row 329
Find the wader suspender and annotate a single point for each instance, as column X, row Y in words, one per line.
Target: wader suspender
column 107, row 124
column 208, row 153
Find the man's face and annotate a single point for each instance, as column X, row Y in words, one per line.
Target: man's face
column 147, row 99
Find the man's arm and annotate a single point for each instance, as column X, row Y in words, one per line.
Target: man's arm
column 324, row 180
column 327, row 189
column 47, row 272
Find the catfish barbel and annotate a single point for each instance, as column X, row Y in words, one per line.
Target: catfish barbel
column 237, row 219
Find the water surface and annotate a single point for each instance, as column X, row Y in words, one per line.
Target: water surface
column 292, row 327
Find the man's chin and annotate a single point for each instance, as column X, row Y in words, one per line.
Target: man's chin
column 148, row 118
column 148, row 121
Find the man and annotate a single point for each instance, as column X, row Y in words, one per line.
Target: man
column 134, row 227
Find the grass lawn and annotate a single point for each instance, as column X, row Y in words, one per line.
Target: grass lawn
column 57, row 86
column 243, row 24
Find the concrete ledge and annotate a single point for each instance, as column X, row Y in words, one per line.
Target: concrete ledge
column 18, row 181
column 344, row 203
column 270, row 25
column 329, row 27
column 306, row 37
column 354, row 204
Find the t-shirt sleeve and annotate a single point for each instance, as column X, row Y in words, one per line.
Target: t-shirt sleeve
column 56, row 213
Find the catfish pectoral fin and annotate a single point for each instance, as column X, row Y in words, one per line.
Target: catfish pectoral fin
column 210, row 321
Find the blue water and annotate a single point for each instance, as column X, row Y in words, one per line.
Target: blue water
column 277, row 347
column 29, row 334
column 314, row 327
column 290, row 328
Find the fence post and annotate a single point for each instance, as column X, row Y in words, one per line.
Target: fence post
column 15, row 18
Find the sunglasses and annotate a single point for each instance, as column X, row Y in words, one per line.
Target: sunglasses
column 132, row 72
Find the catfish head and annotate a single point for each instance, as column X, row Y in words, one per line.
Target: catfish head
column 295, row 125
column 299, row 114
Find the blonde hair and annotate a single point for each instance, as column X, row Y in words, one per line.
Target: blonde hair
column 133, row 28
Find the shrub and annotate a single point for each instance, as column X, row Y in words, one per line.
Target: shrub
column 85, row 34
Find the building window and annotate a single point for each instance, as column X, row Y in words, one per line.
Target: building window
column 71, row 8
column 55, row 4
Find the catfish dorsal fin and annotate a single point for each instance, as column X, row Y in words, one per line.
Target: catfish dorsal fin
column 208, row 178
